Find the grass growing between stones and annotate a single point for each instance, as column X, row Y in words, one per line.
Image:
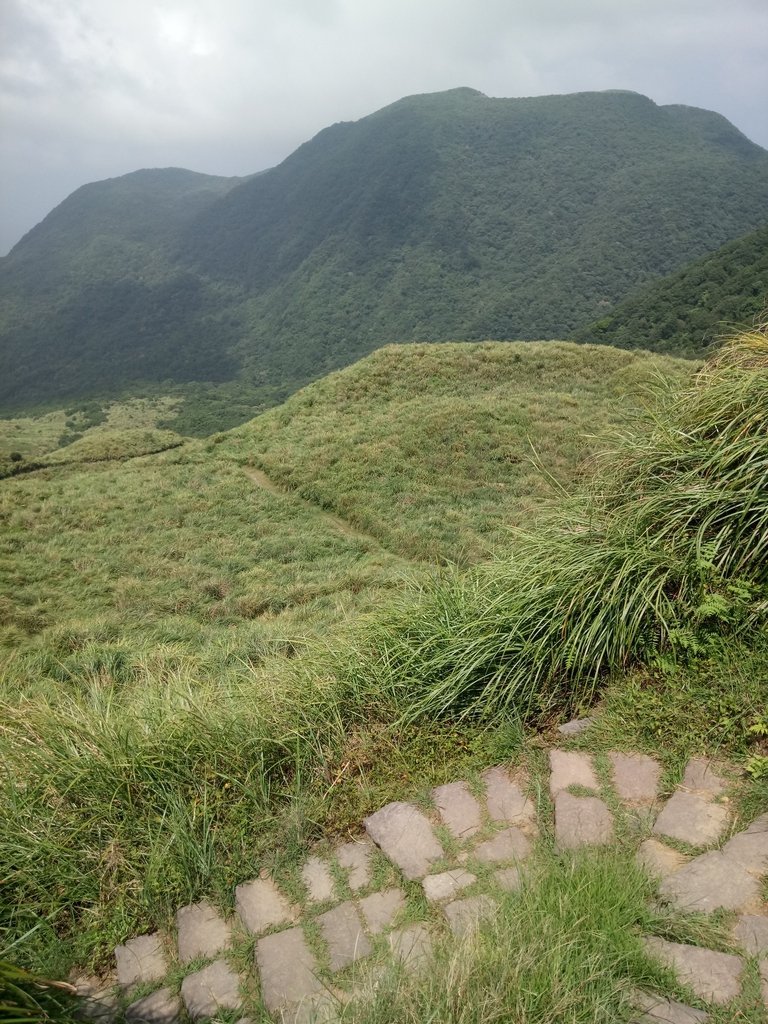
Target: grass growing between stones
column 565, row 947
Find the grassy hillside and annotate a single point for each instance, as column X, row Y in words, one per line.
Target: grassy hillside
column 686, row 312
column 438, row 451
column 199, row 670
column 442, row 216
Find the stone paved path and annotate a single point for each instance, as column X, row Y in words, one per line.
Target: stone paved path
column 355, row 906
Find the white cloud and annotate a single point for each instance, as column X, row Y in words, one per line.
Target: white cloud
column 94, row 88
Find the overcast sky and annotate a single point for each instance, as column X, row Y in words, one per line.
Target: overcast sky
column 91, row 89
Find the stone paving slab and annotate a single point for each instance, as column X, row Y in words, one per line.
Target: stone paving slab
column 659, row 1010
column 508, row 845
column 575, row 726
column 380, row 909
column 691, row 819
column 343, row 931
column 355, row 858
column 712, row 881
column 570, row 768
column 701, row 777
column 508, row 879
column 505, row 799
column 287, row 969
column 216, row 987
column 635, row 777
column 261, row 905
column 459, row 810
column 659, row 859
column 412, row 946
column 750, row 847
column 322, row 1008
column 714, row 977
column 201, row 932
column 317, row 877
column 406, row 837
column 463, row 915
column 141, row 960
column 751, row 933
column 447, row 884
column 161, row 1007
column 581, row 821
column 98, row 1001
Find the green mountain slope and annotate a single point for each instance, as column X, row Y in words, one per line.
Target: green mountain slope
column 442, row 216
column 685, row 312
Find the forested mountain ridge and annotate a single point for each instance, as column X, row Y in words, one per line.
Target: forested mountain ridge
column 443, row 216
column 687, row 311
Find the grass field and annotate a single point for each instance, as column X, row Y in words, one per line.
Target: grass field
column 186, row 653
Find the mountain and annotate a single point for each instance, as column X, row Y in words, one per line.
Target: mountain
column 685, row 312
column 443, row 216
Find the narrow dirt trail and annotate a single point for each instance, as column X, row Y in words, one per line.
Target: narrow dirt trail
column 263, row 481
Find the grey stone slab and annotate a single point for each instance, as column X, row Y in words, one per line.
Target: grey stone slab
column 343, row 931
column 751, row 933
column 288, row 971
column 464, row 915
column 355, row 858
column 406, row 837
column 659, row 859
column 216, row 987
column 581, row 821
column 575, row 726
column 660, row 1010
column 380, row 909
column 323, row 1008
column 750, row 847
column 459, row 810
column 97, row 998
column 161, row 1007
column 412, row 946
column 570, row 768
column 509, row 879
column 261, row 905
column 141, row 960
column 445, row 885
column 712, row 881
column 635, row 777
column 714, row 977
column 317, row 877
column 692, row 819
column 202, row 932
column 506, row 800
column 508, row 845
column 701, row 777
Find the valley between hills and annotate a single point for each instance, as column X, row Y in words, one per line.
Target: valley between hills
column 279, row 552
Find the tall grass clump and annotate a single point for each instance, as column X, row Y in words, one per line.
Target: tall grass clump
column 662, row 556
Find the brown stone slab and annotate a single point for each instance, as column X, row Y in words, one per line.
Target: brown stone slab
column 751, row 933
column 712, row 881
column 216, row 987
column 380, row 909
column 505, row 799
column 261, row 905
column 635, row 777
column 141, row 960
column 659, row 859
column 581, row 821
column 201, row 932
column 714, row 977
column 692, row 819
column 355, row 858
column 570, row 768
column 317, row 877
column 509, row 845
column 161, row 1007
column 701, row 777
column 343, row 931
column 458, row 809
column 464, row 915
column 406, row 837
column 660, row 1010
column 447, row 884
column 288, row 971
column 412, row 946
